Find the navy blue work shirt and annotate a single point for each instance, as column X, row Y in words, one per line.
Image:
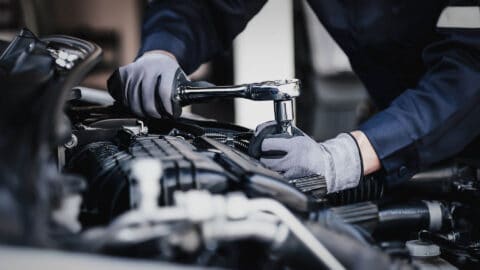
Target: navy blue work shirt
column 423, row 74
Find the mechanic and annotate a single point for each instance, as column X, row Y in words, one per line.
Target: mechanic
column 419, row 60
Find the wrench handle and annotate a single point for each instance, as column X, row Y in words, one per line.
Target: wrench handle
column 200, row 92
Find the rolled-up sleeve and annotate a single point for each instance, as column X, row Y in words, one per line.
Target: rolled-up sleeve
column 194, row 31
column 441, row 115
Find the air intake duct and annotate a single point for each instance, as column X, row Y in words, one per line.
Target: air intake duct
column 389, row 219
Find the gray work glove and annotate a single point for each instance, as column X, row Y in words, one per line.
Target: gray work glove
column 146, row 86
column 338, row 159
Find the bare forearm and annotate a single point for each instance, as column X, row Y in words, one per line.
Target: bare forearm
column 371, row 162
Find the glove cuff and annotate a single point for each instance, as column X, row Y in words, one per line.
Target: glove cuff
column 359, row 155
column 344, row 169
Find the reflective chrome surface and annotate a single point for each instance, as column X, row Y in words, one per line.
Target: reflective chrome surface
column 284, row 115
column 281, row 92
column 269, row 90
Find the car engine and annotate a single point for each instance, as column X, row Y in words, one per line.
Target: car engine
column 80, row 173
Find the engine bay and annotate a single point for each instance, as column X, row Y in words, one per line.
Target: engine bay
column 78, row 172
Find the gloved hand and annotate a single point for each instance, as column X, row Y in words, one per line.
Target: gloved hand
column 146, row 85
column 338, row 160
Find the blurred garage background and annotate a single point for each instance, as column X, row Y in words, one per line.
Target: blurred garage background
column 283, row 41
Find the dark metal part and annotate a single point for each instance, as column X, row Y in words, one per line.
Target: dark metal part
column 254, row 178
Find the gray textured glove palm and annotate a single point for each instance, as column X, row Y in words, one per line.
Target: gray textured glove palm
column 145, row 86
column 338, row 159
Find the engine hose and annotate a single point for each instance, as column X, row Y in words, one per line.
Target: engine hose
column 413, row 216
column 371, row 188
column 386, row 219
column 350, row 252
column 299, row 230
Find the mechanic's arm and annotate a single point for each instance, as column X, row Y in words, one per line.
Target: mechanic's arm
column 194, row 31
column 439, row 117
column 422, row 126
column 177, row 34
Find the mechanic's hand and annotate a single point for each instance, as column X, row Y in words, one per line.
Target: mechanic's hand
column 338, row 159
column 146, row 86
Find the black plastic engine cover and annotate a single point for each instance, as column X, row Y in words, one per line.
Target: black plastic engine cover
column 107, row 166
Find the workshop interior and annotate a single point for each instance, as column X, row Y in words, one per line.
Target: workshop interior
column 85, row 183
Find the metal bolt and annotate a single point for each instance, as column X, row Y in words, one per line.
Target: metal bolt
column 72, row 143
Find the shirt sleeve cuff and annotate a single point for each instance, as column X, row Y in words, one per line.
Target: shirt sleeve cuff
column 170, row 43
column 394, row 147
